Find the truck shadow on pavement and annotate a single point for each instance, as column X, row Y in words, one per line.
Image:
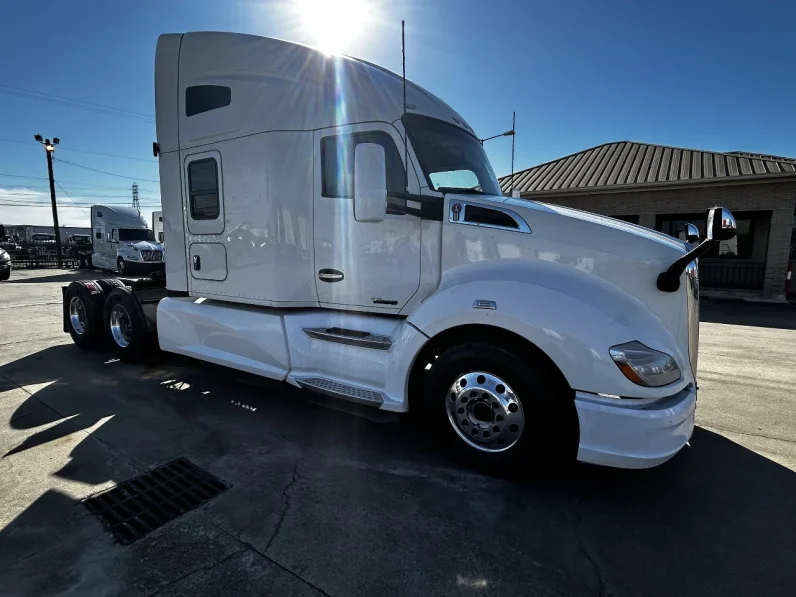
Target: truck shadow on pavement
column 326, row 500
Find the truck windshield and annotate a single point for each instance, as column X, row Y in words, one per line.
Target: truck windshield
column 451, row 158
column 135, row 234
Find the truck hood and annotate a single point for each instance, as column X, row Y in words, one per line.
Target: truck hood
column 145, row 245
column 627, row 256
column 566, row 220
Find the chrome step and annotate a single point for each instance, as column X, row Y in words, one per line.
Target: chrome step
column 350, row 337
column 342, row 390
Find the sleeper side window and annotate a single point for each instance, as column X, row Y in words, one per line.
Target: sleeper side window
column 203, row 98
column 337, row 163
column 203, row 189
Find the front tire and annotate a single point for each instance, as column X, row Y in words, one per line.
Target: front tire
column 121, row 266
column 498, row 413
column 5, row 276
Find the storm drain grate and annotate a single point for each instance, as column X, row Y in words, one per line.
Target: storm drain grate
column 142, row 504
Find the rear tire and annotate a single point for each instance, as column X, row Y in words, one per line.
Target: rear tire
column 5, row 276
column 498, row 413
column 84, row 315
column 124, row 327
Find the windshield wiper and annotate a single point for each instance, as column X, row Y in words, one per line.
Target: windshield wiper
column 465, row 190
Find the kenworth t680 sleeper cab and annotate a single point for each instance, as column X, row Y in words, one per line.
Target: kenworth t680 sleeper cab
column 326, row 232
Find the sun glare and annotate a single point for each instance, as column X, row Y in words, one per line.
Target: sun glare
column 333, row 24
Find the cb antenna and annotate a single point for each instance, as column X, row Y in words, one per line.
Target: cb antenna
column 406, row 147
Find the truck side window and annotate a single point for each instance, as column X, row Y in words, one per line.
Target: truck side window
column 203, row 98
column 337, row 163
column 203, row 189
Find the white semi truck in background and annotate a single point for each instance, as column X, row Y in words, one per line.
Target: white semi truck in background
column 157, row 226
column 327, row 230
column 123, row 242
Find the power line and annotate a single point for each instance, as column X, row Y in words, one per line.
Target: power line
column 81, row 204
column 77, row 104
column 81, row 184
column 83, row 193
column 60, row 148
column 70, row 197
column 60, row 161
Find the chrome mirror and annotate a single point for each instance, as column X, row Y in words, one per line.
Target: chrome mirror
column 721, row 224
column 691, row 233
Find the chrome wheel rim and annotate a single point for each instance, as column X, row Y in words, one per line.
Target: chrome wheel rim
column 121, row 327
column 485, row 412
column 77, row 315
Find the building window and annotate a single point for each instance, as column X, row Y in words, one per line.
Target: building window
column 337, row 163
column 203, row 189
column 203, row 98
column 793, row 239
column 628, row 219
column 741, row 247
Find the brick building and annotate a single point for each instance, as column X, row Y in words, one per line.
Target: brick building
column 666, row 187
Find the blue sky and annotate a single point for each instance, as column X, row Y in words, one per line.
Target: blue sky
column 702, row 74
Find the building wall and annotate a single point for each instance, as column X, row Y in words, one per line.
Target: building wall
column 777, row 198
column 24, row 232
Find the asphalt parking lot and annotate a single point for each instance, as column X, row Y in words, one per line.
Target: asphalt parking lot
column 326, row 502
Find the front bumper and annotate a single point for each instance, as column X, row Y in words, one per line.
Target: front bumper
column 144, row 267
column 619, row 433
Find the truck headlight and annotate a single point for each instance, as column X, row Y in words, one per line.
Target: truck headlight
column 644, row 366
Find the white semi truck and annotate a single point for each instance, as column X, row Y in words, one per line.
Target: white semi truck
column 327, row 230
column 123, row 242
column 157, row 226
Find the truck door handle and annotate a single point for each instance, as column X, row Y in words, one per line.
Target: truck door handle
column 330, row 275
column 197, row 262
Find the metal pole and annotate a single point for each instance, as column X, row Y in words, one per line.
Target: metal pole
column 513, row 136
column 406, row 142
column 55, row 209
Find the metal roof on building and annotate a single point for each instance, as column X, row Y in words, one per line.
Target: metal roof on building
column 625, row 163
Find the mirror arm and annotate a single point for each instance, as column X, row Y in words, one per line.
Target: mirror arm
column 669, row 281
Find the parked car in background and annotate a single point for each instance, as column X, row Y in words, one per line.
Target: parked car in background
column 5, row 265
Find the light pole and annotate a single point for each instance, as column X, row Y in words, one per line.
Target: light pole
column 49, row 148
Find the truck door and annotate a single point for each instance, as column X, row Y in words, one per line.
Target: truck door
column 362, row 264
column 204, row 205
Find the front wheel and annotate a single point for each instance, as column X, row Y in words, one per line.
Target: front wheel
column 121, row 266
column 499, row 413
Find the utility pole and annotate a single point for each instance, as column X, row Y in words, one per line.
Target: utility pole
column 135, row 196
column 49, row 148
